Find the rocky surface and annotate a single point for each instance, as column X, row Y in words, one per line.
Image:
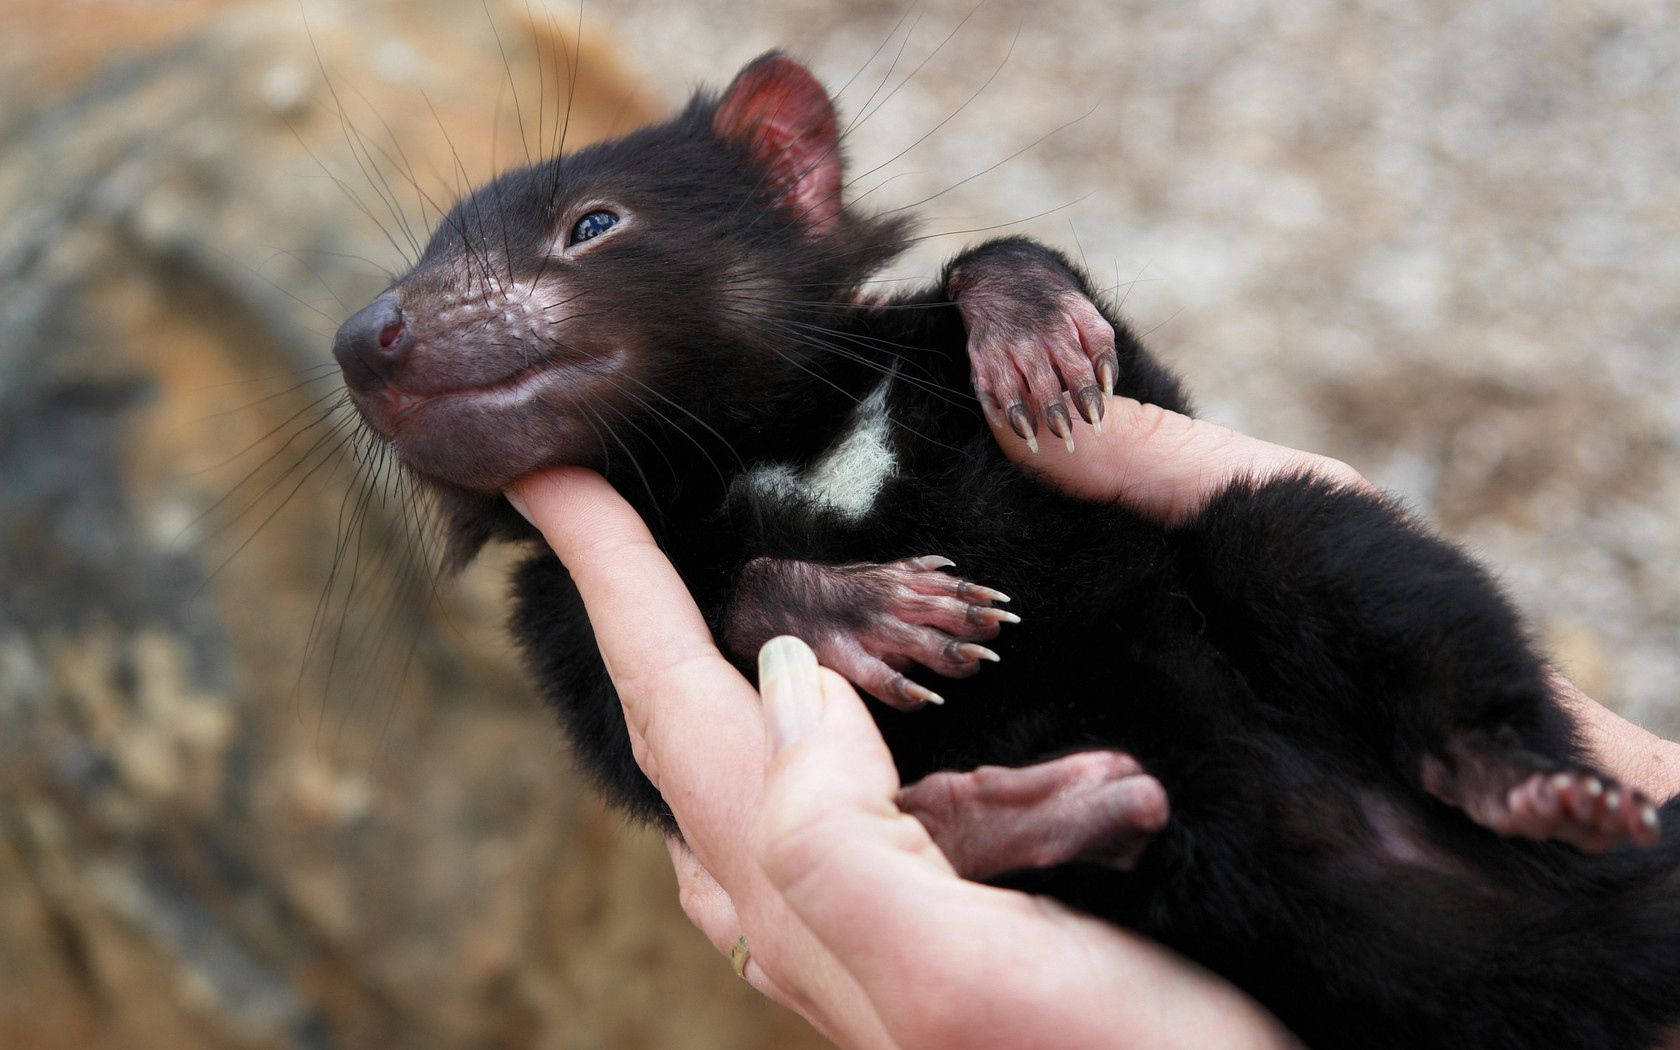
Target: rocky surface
column 234, row 812
column 1439, row 240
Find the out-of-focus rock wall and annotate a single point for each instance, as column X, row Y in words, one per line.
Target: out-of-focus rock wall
column 232, row 813
column 265, row 785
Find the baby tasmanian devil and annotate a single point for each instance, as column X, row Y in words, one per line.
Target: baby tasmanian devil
column 1381, row 823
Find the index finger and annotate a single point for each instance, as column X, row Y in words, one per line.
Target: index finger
column 694, row 720
column 1164, row 464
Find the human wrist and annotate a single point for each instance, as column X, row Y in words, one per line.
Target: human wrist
column 1634, row 754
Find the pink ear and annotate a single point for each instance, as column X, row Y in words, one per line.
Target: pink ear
column 782, row 115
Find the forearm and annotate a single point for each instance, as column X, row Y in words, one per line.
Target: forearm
column 1638, row 756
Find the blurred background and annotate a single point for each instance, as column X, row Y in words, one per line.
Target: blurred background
column 263, row 784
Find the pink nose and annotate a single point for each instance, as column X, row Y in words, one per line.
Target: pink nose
column 373, row 344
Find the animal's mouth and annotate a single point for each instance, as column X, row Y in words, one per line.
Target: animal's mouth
column 391, row 408
column 481, row 436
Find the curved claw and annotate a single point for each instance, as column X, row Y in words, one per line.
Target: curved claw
column 871, row 621
column 1037, row 345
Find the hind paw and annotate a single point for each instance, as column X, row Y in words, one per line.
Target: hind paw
column 1511, row 792
column 1579, row 808
column 1094, row 807
column 870, row 622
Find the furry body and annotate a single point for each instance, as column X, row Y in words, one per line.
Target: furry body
column 1286, row 663
column 1282, row 664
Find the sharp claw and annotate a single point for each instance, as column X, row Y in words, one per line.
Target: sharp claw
column 1108, row 370
column 1090, row 402
column 929, row 562
column 1056, row 418
column 987, row 593
column 1022, row 423
column 920, row 694
column 970, row 651
column 987, row 614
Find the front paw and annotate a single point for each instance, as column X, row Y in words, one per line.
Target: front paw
column 870, row 621
column 1035, row 341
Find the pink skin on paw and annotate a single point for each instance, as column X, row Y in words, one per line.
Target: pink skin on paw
column 926, row 617
column 1583, row 809
column 1094, row 806
column 872, row 622
column 1032, row 364
column 1580, row 809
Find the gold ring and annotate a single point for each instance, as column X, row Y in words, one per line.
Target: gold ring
column 738, row 955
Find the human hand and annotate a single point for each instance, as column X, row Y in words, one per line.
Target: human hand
column 1168, row 466
column 791, row 838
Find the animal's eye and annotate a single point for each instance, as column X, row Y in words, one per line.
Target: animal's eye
column 593, row 225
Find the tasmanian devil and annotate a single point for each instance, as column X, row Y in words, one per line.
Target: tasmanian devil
column 1382, row 824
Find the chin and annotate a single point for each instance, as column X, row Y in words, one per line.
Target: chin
column 467, row 446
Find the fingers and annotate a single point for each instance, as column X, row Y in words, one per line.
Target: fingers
column 711, row 911
column 699, row 735
column 705, row 903
column 1166, row 465
column 946, row 962
column 693, row 719
column 830, row 763
column 1634, row 754
column 642, row 614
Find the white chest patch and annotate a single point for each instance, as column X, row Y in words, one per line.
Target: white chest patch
column 846, row 478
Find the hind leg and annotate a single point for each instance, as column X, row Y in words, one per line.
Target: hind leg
column 1381, row 635
column 1511, row 791
column 1095, row 807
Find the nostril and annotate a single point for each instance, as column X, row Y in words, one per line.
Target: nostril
column 391, row 333
column 373, row 344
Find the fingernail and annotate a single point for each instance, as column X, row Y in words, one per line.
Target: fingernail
column 517, row 504
column 792, row 696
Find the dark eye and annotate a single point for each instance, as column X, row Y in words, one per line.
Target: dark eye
column 593, row 225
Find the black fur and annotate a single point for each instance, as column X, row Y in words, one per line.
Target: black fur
column 1283, row 663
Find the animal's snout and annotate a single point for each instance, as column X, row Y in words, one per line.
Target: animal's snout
column 373, row 343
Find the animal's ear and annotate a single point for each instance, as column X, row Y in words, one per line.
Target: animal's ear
column 783, row 116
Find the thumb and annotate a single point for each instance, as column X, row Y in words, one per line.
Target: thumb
column 1163, row 464
column 827, row 815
